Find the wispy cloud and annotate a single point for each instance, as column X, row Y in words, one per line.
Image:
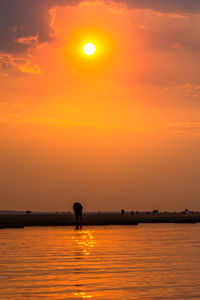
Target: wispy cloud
column 31, row 40
column 3, row 75
column 189, row 89
column 17, row 63
column 184, row 128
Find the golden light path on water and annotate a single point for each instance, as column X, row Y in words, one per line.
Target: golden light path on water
column 149, row 261
column 85, row 241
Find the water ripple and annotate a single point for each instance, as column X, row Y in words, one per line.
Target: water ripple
column 150, row 261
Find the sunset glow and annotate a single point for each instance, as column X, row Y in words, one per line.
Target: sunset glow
column 99, row 149
column 96, row 98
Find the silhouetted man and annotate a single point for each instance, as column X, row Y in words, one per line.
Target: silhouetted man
column 77, row 207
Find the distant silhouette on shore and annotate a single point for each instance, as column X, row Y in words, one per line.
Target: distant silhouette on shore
column 78, row 208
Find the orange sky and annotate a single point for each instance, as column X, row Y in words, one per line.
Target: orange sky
column 119, row 129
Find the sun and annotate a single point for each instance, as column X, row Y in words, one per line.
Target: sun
column 89, row 49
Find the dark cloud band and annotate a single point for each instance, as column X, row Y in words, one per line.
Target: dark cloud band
column 24, row 18
column 30, row 18
column 166, row 6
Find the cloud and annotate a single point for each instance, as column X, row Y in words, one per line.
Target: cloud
column 3, row 75
column 22, row 20
column 184, row 128
column 189, row 89
column 170, row 6
column 9, row 62
column 29, row 40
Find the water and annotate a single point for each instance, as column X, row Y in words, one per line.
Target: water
column 149, row 261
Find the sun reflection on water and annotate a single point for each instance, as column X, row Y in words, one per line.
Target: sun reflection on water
column 85, row 240
column 82, row 295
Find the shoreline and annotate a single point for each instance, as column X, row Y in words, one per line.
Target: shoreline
column 98, row 219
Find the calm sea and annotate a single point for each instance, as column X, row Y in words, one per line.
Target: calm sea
column 149, row 261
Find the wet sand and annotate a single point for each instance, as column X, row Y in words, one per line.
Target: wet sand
column 95, row 219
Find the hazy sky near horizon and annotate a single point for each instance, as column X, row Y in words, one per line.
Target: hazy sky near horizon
column 120, row 129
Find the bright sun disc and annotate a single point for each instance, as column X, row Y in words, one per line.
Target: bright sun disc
column 89, row 49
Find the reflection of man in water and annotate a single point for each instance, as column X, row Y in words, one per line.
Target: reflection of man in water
column 77, row 207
